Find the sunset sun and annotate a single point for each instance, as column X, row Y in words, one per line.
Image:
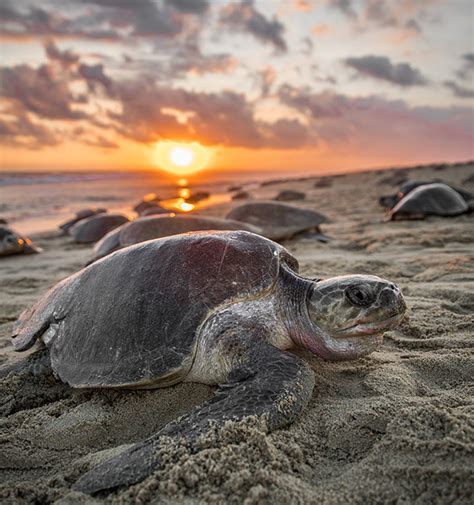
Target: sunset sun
column 181, row 158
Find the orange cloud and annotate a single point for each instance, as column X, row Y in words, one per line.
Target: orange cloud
column 322, row 29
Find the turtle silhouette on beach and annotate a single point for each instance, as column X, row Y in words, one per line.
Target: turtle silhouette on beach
column 220, row 308
column 12, row 242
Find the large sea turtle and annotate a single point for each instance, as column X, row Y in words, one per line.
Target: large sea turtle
column 147, row 228
column 430, row 199
column 389, row 201
column 12, row 242
column 94, row 228
column 219, row 308
column 279, row 221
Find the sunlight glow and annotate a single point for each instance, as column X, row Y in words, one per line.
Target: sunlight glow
column 186, row 207
column 181, row 158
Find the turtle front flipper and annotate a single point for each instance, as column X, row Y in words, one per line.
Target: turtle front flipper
column 269, row 384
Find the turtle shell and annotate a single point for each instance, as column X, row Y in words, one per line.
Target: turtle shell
column 430, row 199
column 147, row 228
column 80, row 215
column 132, row 318
column 94, row 228
column 278, row 221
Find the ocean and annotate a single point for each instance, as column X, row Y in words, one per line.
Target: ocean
column 37, row 202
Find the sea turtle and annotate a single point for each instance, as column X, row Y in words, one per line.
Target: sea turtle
column 324, row 182
column 147, row 228
column 279, row 221
column 12, row 242
column 198, row 197
column 389, row 201
column 219, row 308
column 156, row 209
column 94, row 228
column 430, row 199
column 241, row 195
column 149, row 201
column 289, row 195
column 80, row 215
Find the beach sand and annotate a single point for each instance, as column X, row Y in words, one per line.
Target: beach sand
column 395, row 427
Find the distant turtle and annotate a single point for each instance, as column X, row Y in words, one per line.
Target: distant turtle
column 218, row 308
column 94, row 228
column 324, row 182
column 156, row 209
column 80, row 215
column 279, row 221
column 289, row 195
column 198, row 197
column 430, row 199
column 148, row 202
column 241, row 195
column 12, row 242
column 389, row 201
column 147, row 228
column 234, row 188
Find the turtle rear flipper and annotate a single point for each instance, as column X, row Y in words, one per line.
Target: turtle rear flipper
column 271, row 384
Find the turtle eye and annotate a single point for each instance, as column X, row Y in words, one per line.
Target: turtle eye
column 359, row 296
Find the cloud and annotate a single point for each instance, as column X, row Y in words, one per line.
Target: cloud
column 189, row 6
column 344, row 6
column 321, row 105
column 243, row 16
column 188, row 58
column 322, row 29
column 467, row 68
column 39, row 91
column 402, row 17
column 37, row 22
column 380, row 67
column 22, row 132
column 377, row 128
column 226, row 118
column 266, row 77
column 459, row 91
column 105, row 20
column 94, row 74
column 65, row 58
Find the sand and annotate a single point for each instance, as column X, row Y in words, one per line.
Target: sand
column 394, row 428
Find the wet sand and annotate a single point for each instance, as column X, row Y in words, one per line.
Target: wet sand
column 395, row 427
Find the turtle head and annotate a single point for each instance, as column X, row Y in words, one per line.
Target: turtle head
column 349, row 315
column 10, row 243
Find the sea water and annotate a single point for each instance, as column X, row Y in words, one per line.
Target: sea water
column 36, row 202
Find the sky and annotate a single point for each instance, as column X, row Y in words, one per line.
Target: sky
column 266, row 85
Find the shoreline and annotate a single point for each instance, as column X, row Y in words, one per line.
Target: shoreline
column 48, row 222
